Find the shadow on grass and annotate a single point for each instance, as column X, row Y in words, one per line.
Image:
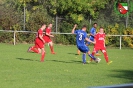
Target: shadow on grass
column 73, row 53
column 71, row 61
column 123, row 74
column 26, row 59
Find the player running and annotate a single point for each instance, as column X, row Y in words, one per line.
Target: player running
column 81, row 36
column 39, row 43
column 100, row 44
column 91, row 37
column 47, row 37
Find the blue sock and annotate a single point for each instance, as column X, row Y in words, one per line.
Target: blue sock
column 90, row 55
column 84, row 58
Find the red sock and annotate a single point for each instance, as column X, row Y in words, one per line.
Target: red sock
column 51, row 48
column 34, row 49
column 106, row 56
column 42, row 57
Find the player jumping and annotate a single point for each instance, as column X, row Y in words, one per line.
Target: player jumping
column 47, row 38
column 81, row 36
column 39, row 43
column 100, row 44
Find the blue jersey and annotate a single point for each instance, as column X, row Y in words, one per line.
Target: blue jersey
column 80, row 37
column 92, row 31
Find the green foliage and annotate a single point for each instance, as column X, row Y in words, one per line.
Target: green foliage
column 9, row 18
column 77, row 10
column 6, row 37
column 128, row 41
column 37, row 18
column 65, row 27
column 114, row 41
column 61, row 39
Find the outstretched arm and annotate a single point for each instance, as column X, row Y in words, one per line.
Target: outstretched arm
column 88, row 40
column 74, row 28
column 91, row 32
column 92, row 35
column 40, row 36
column 49, row 35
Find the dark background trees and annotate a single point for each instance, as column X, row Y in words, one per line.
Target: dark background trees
column 68, row 12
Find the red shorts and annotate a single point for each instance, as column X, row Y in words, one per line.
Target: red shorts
column 39, row 43
column 96, row 48
column 47, row 39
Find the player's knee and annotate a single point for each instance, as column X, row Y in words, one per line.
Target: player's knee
column 103, row 51
column 93, row 51
column 51, row 43
column 39, row 50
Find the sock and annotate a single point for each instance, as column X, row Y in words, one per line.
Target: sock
column 106, row 56
column 84, row 58
column 90, row 55
column 35, row 50
column 42, row 57
column 51, row 48
column 78, row 51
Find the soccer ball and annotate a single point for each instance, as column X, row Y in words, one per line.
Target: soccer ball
column 98, row 60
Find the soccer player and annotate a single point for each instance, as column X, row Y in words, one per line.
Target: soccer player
column 47, row 37
column 81, row 36
column 39, row 43
column 92, row 33
column 91, row 37
column 100, row 44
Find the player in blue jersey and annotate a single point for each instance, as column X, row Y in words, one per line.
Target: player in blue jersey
column 81, row 37
column 92, row 33
column 91, row 37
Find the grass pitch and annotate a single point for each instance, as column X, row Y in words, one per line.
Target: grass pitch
column 19, row 69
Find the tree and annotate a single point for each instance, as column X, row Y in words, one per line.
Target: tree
column 9, row 18
column 76, row 10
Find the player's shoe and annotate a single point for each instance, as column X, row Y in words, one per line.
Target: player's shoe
column 108, row 63
column 29, row 49
column 41, row 60
column 97, row 54
column 52, row 52
column 84, row 63
column 97, row 60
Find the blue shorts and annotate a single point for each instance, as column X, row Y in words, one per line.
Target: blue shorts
column 92, row 39
column 83, row 49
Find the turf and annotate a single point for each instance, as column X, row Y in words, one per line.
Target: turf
column 19, row 69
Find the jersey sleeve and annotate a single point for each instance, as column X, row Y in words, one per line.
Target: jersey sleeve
column 85, row 35
column 40, row 32
column 76, row 31
column 91, row 31
column 47, row 31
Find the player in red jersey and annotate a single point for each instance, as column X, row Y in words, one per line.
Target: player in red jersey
column 100, row 44
column 39, row 43
column 47, row 37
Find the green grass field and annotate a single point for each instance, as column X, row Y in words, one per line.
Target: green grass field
column 19, row 69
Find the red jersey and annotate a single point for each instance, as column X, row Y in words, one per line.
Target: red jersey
column 47, row 38
column 38, row 42
column 100, row 40
column 48, row 30
column 40, row 32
